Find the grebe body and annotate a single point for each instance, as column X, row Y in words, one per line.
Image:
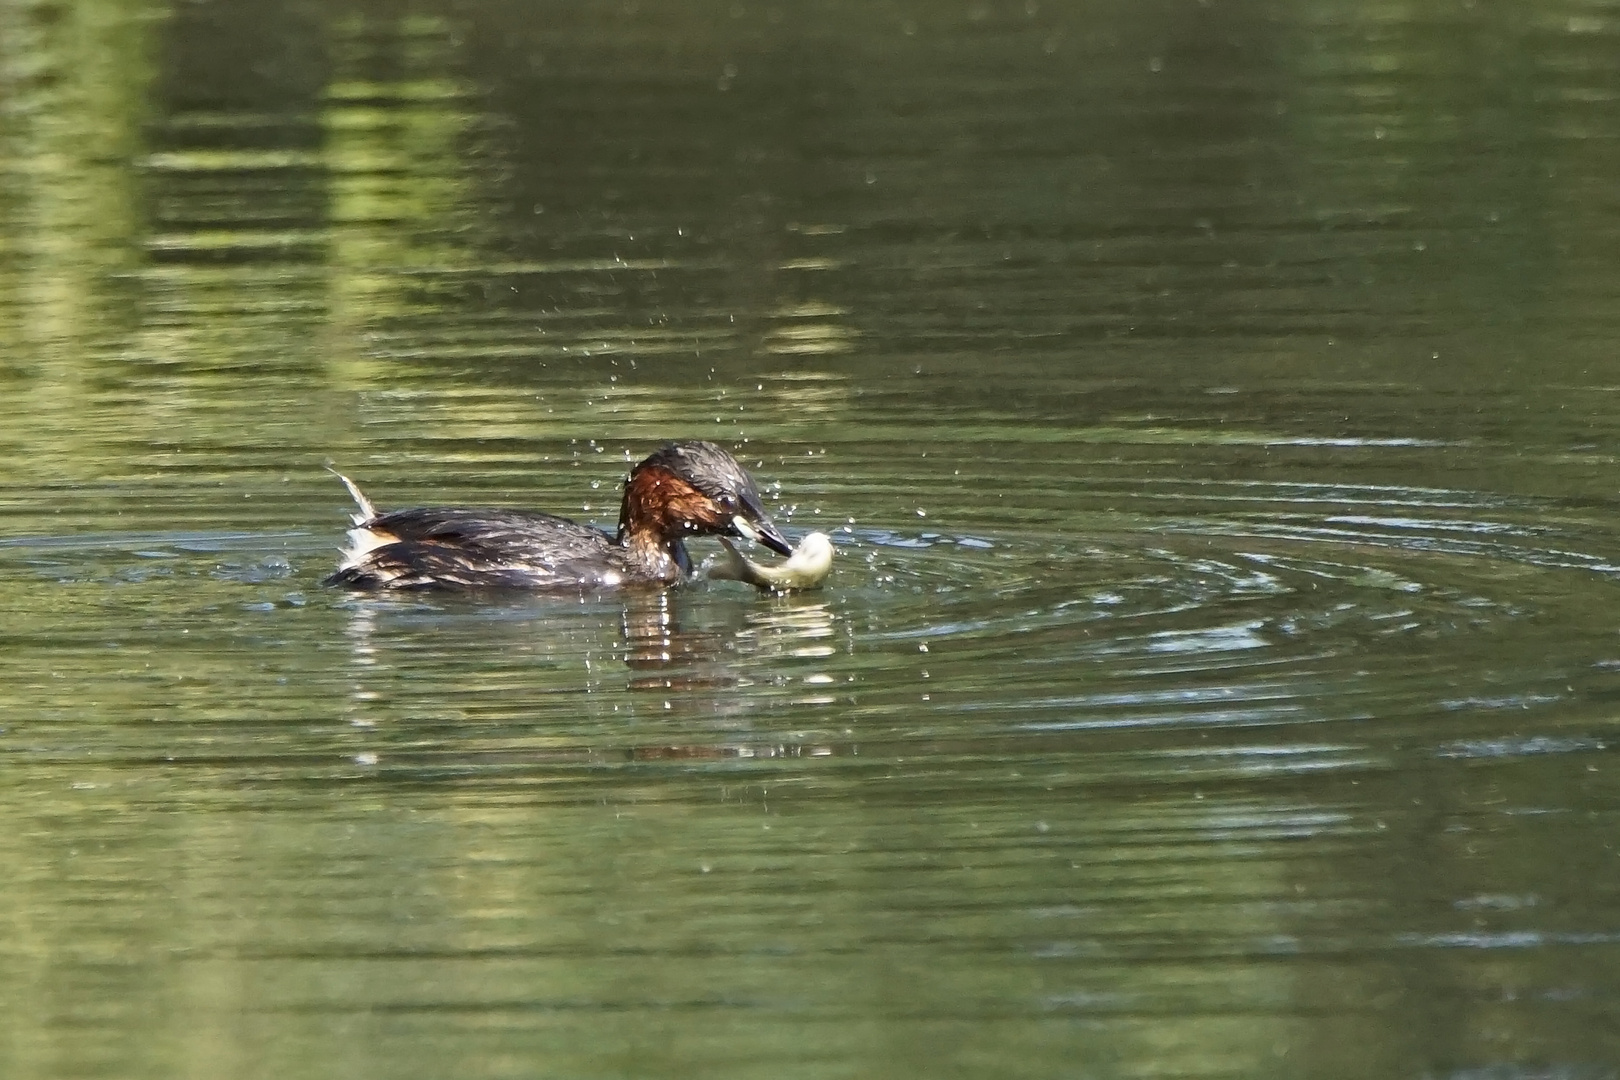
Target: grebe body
column 682, row 489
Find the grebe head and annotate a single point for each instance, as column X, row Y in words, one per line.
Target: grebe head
column 696, row 487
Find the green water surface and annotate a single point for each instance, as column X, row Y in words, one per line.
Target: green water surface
column 1215, row 406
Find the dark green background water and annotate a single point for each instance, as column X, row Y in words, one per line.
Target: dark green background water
column 1216, row 405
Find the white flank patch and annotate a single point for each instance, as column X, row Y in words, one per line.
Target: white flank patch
column 362, row 542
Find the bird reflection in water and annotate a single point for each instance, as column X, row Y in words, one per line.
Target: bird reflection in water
column 766, row 643
column 718, row 661
column 745, row 649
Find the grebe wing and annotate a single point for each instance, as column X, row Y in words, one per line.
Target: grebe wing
column 447, row 546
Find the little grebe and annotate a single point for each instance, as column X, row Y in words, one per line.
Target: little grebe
column 684, row 488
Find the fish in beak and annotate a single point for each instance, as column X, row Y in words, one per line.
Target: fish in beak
column 760, row 530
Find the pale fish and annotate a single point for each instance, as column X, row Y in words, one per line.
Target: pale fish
column 806, row 568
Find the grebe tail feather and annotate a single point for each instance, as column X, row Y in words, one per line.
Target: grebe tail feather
column 367, row 511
